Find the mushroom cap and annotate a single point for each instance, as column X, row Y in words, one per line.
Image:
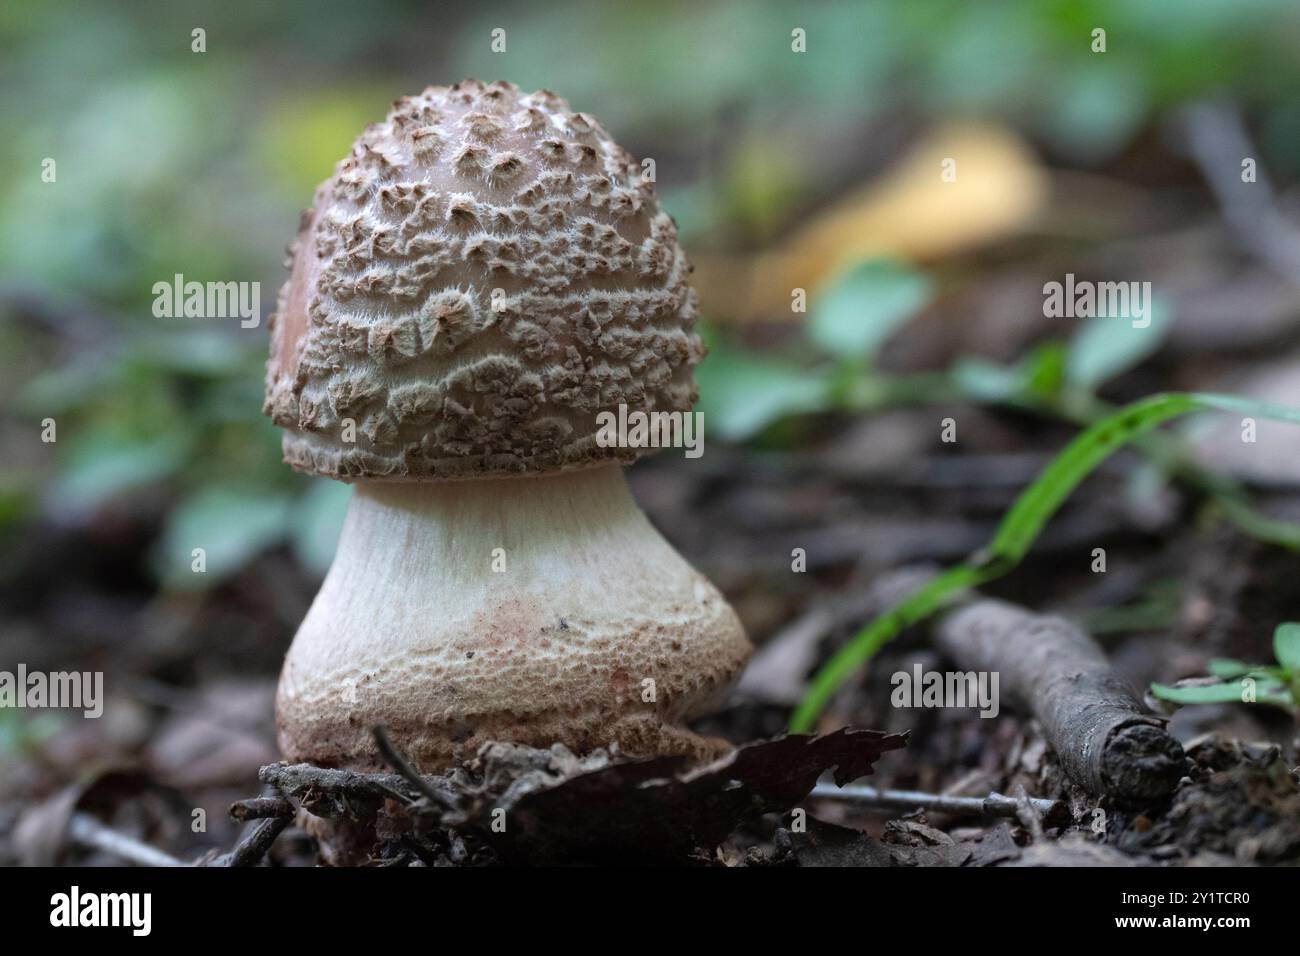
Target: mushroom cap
column 483, row 275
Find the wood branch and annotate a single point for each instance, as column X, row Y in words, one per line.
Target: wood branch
column 261, row 808
column 89, row 832
column 1049, row 667
column 1054, row 812
column 303, row 780
column 254, row 844
column 1217, row 141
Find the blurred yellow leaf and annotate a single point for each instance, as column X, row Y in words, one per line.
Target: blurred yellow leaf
column 912, row 212
column 304, row 136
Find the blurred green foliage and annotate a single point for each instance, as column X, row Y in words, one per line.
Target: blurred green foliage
column 857, row 315
column 1106, row 347
column 170, row 161
column 743, row 394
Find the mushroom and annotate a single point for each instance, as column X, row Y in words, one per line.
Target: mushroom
column 481, row 278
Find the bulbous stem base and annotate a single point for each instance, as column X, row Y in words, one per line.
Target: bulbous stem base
column 531, row 609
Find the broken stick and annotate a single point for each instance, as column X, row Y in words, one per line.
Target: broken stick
column 87, row 831
column 1090, row 717
column 994, row 805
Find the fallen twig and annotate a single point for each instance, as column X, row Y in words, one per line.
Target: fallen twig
column 1090, row 717
column 261, row 808
column 87, row 831
column 254, row 844
column 1027, row 814
column 1054, row 812
column 1217, row 141
column 300, row 780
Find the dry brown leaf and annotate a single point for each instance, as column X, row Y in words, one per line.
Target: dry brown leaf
column 657, row 810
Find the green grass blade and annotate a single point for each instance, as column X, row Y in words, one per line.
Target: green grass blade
column 1019, row 529
column 917, row 607
column 1042, row 499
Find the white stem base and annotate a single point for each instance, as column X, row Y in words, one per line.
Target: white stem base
column 535, row 610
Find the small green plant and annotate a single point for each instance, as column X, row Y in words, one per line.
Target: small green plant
column 1019, row 529
column 1277, row 685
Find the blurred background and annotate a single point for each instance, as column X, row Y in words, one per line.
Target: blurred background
column 821, row 170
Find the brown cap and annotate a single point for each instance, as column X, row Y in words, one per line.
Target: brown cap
column 484, row 274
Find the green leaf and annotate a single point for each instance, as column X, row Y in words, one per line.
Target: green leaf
column 197, row 352
column 1044, row 371
column 1206, row 694
column 317, row 522
column 17, row 498
column 1282, row 699
column 1231, row 670
column 1019, row 528
column 230, row 525
column 1228, row 669
column 103, row 464
column 1041, row 373
column 59, row 390
column 741, row 394
column 1104, row 347
column 27, row 730
column 856, row 315
column 1286, row 646
column 987, row 381
column 1095, row 108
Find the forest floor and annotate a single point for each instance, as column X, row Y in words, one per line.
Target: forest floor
column 191, row 681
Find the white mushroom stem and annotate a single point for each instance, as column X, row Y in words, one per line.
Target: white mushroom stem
column 532, row 609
